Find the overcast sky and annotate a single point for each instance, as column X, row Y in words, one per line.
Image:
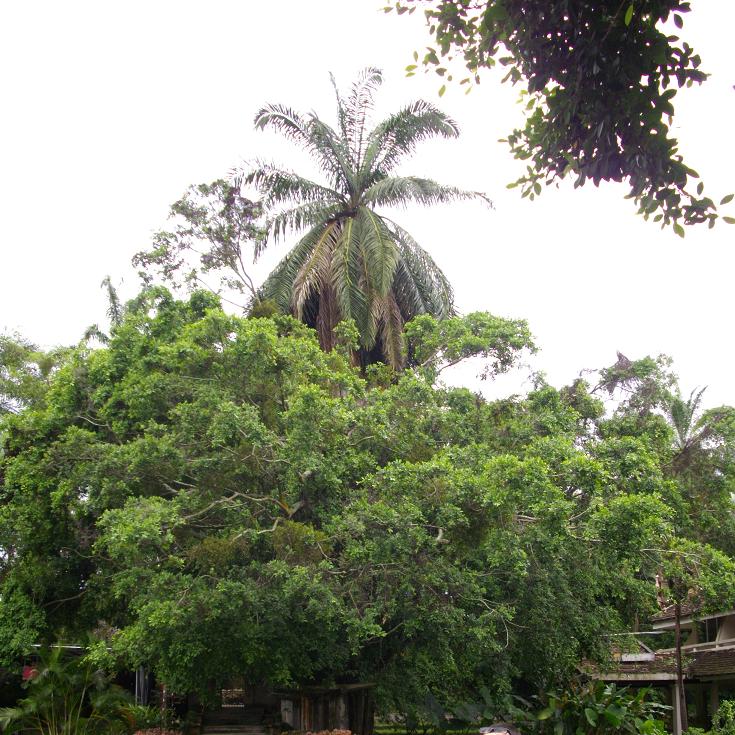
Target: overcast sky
column 111, row 109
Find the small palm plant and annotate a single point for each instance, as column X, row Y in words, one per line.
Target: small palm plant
column 353, row 262
column 67, row 696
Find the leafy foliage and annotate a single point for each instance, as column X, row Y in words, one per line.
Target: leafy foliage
column 24, row 372
column 219, row 228
column 435, row 345
column 696, row 444
column 599, row 81
column 598, row 708
column 723, row 721
column 67, row 696
column 218, row 496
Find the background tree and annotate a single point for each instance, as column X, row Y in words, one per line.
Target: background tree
column 216, row 232
column 24, row 372
column 699, row 579
column 599, row 77
column 115, row 313
column 352, row 262
column 696, row 447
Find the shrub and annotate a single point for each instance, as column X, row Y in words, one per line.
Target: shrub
column 723, row 723
column 67, row 696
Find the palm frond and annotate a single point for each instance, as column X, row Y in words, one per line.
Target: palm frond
column 114, row 307
column 308, row 133
column 420, row 286
column 309, row 214
column 347, row 279
column 343, row 175
column 93, row 331
column 327, row 317
column 279, row 284
column 357, row 107
column 683, row 413
column 316, row 269
column 341, row 111
column 680, row 418
column 397, row 136
column 410, row 298
column 401, row 190
column 695, row 400
column 277, row 186
column 379, row 250
column 387, row 315
column 284, row 120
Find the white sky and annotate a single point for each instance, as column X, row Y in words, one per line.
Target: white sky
column 111, row 109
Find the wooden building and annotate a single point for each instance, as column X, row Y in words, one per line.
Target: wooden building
column 308, row 709
column 708, row 663
column 311, row 709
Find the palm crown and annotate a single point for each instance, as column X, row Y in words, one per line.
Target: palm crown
column 352, row 262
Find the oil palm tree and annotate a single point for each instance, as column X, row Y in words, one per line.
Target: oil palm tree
column 683, row 416
column 700, row 434
column 350, row 261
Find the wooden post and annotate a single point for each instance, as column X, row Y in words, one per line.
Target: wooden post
column 676, row 702
column 360, row 711
column 681, row 700
column 714, row 700
column 369, row 713
column 343, row 721
column 700, row 706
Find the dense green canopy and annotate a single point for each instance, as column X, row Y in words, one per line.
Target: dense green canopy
column 214, row 495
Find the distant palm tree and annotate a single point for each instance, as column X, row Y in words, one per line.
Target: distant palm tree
column 352, row 262
column 697, row 433
column 684, row 419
